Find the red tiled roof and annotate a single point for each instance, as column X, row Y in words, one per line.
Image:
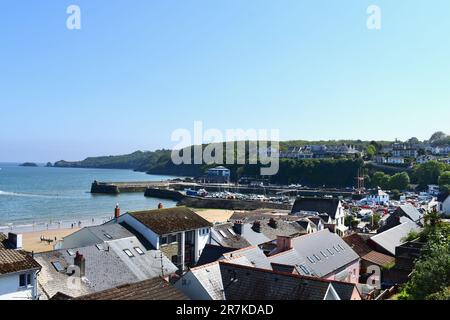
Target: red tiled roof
column 14, row 260
column 378, row 258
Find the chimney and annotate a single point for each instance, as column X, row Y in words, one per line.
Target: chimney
column 273, row 223
column 15, row 240
column 284, row 243
column 117, row 212
column 257, row 226
column 238, row 227
column 80, row 262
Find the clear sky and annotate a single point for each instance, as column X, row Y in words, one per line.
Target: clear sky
column 137, row 70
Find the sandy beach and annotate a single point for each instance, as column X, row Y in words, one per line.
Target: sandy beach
column 214, row 215
column 32, row 240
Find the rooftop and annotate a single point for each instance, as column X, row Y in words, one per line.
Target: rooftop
column 153, row 289
column 171, row 220
column 12, row 260
column 319, row 205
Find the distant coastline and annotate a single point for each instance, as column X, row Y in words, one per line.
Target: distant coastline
column 28, row 164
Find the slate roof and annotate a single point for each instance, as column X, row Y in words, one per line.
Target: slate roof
column 357, row 244
column 14, row 260
column 210, row 279
column 319, row 205
column 390, row 239
column 153, row 289
column 247, row 283
column 106, row 267
column 307, row 248
column 410, row 211
column 171, row 220
column 255, row 257
column 250, row 237
column 212, row 253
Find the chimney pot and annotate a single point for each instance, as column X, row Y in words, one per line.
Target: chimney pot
column 257, row 226
column 238, row 227
column 80, row 262
column 284, row 243
column 117, row 211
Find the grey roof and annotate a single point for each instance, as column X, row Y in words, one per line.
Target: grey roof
column 107, row 266
column 411, row 212
column 246, row 283
column 392, row 238
column 250, row 237
column 212, row 253
column 320, row 205
column 307, row 247
column 254, row 255
column 210, row 279
column 89, row 236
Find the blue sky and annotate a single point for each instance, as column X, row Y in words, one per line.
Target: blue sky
column 138, row 70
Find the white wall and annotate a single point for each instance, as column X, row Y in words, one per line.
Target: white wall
column 200, row 242
column 192, row 288
column 446, row 206
column 10, row 290
column 152, row 237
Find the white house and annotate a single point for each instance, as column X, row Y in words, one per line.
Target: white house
column 378, row 196
column 445, row 205
column 18, row 270
column 330, row 206
column 179, row 233
column 395, row 160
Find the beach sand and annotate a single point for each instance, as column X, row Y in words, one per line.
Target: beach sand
column 32, row 240
column 214, row 215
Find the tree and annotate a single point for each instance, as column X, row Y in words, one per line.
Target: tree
column 444, row 179
column 413, row 140
column 399, row 181
column 428, row 173
column 380, row 179
column 437, row 136
column 371, row 151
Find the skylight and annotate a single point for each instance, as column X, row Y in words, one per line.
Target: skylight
column 128, row 253
column 139, row 250
column 223, row 234
column 311, row 260
column 70, row 253
column 324, row 254
column 336, row 248
column 303, row 268
column 342, row 248
column 99, row 247
column 57, row 265
column 317, row 257
column 231, row 231
column 330, row 252
column 108, row 236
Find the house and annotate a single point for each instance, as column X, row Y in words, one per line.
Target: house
column 444, row 201
column 425, row 158
column 152, row 289
column 228, row 280
column 179, row 232
column 433, row 189
column 330, row 206
column 80, row 271
column 242, row 282
column 18, row 270
column 395, row 160
column 369, row 257
column 402, row 150
column 322, row 254
column 217, row 175
column 378, row 196
column 242, row 234
column 402, row 214
column 387, row 241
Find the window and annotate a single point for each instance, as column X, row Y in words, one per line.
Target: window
column 70, row 253
column 163, row 240
column 311, row 260
column 231, row 231
column 304, row 270
column 317, row 257
column 57, row 265
column 330, row 252
column 336, row 248
column 223, row 234
column 108, row 236
column 341, row 247
column 24, row 280
column 324, row 254
column 172, row 238
column 128, row 253
column 139, row 250
column 99, row 247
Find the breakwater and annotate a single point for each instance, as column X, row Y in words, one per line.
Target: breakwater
column 231, row 204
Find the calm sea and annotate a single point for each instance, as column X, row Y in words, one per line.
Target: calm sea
column 40, row 195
